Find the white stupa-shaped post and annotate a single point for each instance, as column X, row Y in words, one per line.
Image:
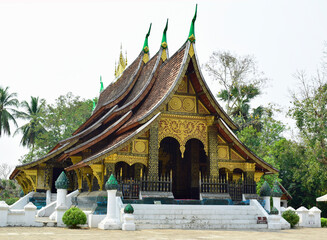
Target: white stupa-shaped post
column 111, row 221
column 61, row 185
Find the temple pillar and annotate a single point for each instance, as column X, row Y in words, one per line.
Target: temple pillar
column 87, row 174
column 110, row 169
column 213, row 151
column 75, row 160
column 153, row 152
column 98, row 172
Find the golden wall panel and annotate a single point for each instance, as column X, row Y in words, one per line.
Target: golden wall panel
column 182, row 88
column 183, row 128
column 221, row 140
column 180, row 103
column 191, row 88
column 140, row 146
column 129, row 159
column 125, row 149
column 202, row 109
column 40, row 178
column 245, row 167
column 223, row 152
column 236, row 156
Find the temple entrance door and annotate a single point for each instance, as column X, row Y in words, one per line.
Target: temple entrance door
column 185, row 171
column 196, row 160
column 170, row 161
column 55, row 174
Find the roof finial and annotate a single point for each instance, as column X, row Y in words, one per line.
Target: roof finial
column 101, row 84
column 146, row 46
column 191, row 35
column 164, row 37
column 94, row 104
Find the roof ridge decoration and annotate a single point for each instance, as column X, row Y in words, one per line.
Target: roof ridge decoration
column 191, row 35
column 146, row 46
column 164, row 44
column 122, row 63
column 101, row 84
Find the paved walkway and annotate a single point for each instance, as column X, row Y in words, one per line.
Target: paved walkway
column 47, row 233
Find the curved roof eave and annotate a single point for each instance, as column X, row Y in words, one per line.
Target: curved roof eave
column 244, row 148
column 114, row 148
column 108, row 104
column 92, row 127
column 100, row 136
column 43, row 159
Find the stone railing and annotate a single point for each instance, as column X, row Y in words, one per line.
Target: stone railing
column 308, row 218
column 18, row 217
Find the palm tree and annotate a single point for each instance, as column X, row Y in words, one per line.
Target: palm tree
column 8, row 103
column 34, row 126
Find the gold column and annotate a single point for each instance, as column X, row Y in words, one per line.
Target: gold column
column 153, row 152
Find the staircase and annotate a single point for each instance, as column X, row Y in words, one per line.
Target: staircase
column 196, row 217
column 53, row 197
column 39, row 202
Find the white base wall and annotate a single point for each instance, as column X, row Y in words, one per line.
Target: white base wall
column 196, row 217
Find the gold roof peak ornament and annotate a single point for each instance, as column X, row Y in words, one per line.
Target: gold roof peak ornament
column 122, row 63
column 146, row 46
column 191, row 35
column 164, row 44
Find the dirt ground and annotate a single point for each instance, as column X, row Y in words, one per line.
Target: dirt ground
column 47, row 233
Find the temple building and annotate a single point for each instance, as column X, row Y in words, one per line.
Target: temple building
column 157, row 128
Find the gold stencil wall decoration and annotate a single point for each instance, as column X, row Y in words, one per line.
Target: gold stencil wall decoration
column 202, row 109
column 223, row 152
column 140, row 146
column 130, row 160
column 125, row 149
column 183, row 129
column 180, row 103
column 257, row 176
column 221, row 140
column 188, row 105
column 236, row 156
column 245, row 167
column 182, row 88
column 175, row 104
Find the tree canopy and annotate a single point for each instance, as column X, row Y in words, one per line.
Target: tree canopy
column 59, row 120
column 8, row 110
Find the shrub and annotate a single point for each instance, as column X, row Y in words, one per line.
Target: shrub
column 11, row 201
column 323, row 222
column 73, row 217
column 291, row 217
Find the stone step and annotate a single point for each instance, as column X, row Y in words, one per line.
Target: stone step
column 196, row 221
column 155, row 213
column 170, row 211
column 53, row 197
column 201, row 226
column 198, row 216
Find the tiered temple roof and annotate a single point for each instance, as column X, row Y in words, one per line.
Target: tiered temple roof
column 130, row 105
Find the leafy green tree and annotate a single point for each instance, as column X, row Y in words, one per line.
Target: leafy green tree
column 59, row 120
column 33, row 128
column 310, row 113
column 241, row 82
column 8, row 110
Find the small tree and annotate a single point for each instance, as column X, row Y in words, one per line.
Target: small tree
column 73, row 217
column 291, row 217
